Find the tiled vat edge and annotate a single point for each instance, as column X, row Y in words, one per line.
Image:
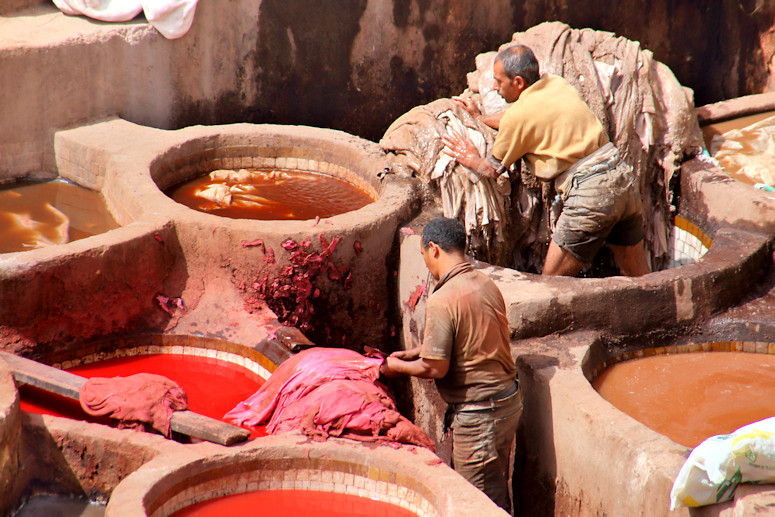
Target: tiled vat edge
column 408, row 477
column 137, row 344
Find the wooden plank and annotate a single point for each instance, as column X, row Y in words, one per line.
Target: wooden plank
column 27, row 371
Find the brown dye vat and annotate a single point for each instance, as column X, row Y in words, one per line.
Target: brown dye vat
column 37, row 214
column 693, row 396
column 270, row 195
column 747, row 141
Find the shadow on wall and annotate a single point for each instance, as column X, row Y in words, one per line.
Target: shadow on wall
column 301, row 53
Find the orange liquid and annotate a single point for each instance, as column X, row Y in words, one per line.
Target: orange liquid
column 270, row 195
column 719, row 128
column 213, row 386
column 691, row 397
column 293, row 503
column 37, row 214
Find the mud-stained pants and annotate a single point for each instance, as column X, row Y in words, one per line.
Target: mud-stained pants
column 482, row 438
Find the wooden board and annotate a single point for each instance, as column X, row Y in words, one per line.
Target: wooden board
column 27, row 371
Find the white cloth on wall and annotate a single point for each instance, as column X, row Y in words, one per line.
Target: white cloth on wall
column 172, row 18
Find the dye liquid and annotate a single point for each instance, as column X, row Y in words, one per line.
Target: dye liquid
column 691, row 397
column 744, row 147
column 37, row 214
column 213, row 386
column 293, row 503
column 270, row 195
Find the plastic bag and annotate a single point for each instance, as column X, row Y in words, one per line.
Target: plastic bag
column 715, row 467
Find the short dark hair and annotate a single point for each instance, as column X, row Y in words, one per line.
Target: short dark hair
column 519, row 60
column 448, row 234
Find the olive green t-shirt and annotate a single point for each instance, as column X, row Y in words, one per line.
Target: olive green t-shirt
column 465, row 323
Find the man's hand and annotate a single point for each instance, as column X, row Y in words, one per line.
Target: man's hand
column 468, row 105
column 407, row 355
column 465, row 153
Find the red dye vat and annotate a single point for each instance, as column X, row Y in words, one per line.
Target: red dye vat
column 213, row 386
column 293, row 503
column 691, row 397
column 270, row 195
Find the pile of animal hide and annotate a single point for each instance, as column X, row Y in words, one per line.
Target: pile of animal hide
column 647, row 114
column 172, row 18
column 329, row 392
column 141, row 402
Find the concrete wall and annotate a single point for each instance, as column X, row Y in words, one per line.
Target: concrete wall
column 10, row 439
column 354, row 65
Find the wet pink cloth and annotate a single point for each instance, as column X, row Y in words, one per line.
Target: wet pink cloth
column 329, row 392
column 137, row 401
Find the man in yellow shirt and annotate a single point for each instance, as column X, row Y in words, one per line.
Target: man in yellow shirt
column 551, row 127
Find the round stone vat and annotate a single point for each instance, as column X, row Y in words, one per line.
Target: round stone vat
column 579, row 454
column 407, row 477
column 330, row 277
column 195, row 363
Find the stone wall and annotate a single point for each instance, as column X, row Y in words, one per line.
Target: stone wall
column 353, row 65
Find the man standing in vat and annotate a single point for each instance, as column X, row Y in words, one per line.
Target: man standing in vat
column 466, row 350
column 561, row 140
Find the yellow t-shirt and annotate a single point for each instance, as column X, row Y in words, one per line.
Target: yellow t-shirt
column 551, row 126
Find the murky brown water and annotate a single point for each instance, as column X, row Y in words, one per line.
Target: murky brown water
column 270, row 195
column 746, row 154
column 690, row 397
column 37, row 214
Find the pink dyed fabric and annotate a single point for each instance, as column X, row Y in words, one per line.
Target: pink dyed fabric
column 329, row 392
column 136, row 401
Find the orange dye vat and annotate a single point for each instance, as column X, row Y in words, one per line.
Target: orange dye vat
column 693, row 396
column 293, row 503
column 213, row 386
column 35, row 214
column 270, row 195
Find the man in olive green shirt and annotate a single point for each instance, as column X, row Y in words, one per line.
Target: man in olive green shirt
column 466, row 350
column 550, row 126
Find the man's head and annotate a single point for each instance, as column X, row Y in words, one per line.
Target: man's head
column 514, row 69
column 443, row 244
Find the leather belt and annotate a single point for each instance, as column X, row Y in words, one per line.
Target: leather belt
column 493, row 402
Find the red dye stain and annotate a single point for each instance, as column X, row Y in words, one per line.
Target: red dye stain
column 213, row 386
column 293, row 503
column 414, row 298
column 158, row 237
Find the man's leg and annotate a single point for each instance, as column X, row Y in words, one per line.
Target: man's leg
column 632, row 260
column 560, row 263
column 481, row 443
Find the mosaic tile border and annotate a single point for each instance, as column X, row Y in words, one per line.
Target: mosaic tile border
column 688, row 243
column 371, row 483
column 751, row 347
column 209, row 348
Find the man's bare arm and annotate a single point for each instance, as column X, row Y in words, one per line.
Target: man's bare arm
column 421, row 367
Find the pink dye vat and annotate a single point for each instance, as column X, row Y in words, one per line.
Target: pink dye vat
column 213, row 386
column 293, row 503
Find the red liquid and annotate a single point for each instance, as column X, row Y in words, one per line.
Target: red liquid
column 37, row 214
column 293, row 503
column 691, row 397
column 270, row 195
column 213, row 386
